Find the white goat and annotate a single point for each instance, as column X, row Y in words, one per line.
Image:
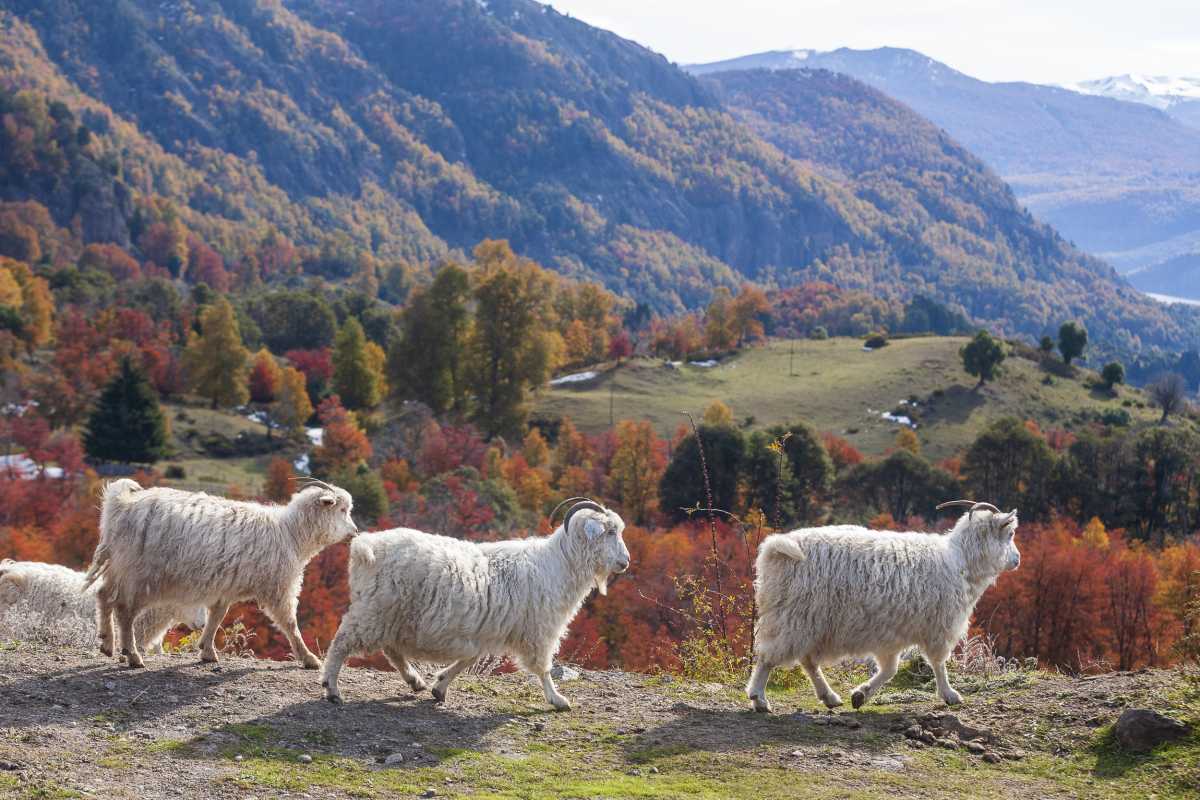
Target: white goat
column 840, row 591
column 57, row 595
column 166, row 547
column 418, row 596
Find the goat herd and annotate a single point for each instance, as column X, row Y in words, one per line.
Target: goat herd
column 823, row 594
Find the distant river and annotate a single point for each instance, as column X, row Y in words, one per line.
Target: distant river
column 1169, row 299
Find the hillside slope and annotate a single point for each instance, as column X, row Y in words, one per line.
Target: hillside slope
column 79, row 726
column 838, row 387
column 414, row 129
column 1115, row 177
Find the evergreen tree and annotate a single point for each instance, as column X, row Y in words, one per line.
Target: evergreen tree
column 982, row 356
column 126, row 425
column 1072, row 339
column 1112, row 374
column 355, row 379
column 216, row 358
column 682, row 484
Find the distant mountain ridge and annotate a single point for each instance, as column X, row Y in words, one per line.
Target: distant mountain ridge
column 1178, row 96
column 412, row 129
column 1118, row 178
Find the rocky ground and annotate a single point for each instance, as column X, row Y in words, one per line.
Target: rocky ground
column 73, row 724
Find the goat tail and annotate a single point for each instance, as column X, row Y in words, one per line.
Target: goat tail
column 781, row 546
column 361, row 554
column 112, row 493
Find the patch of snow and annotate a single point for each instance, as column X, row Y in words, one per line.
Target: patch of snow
column 578, row 377
column 708, row 364
column 899, row 419
column 301, row 464
column 23, row 467
column 1159, row 91
column 315, row 435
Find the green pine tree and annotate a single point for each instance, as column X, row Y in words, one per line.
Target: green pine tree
column 126, row 425
column 354, row 378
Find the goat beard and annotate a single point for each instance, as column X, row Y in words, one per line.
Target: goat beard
column 602, row 583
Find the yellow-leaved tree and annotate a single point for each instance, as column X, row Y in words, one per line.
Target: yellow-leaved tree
column 216, row 359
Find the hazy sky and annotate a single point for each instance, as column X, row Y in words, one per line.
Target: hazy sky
column 1044, row 42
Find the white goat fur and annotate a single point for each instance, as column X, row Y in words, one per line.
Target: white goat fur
column 57, row 594
column 843, row 591
column 418, row 596
column 166, row 547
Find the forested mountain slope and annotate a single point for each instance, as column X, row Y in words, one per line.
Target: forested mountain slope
column 412, row 130
column 1117, row 178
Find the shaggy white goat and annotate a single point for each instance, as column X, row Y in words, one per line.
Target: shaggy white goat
column 418, row 596
column 830, row 593
column 57, row 594
column 166, row 547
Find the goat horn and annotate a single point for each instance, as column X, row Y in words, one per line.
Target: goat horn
column 584, row 505
column 563, row 503
column 313, row 482
column 985, row 506
column 955, row 504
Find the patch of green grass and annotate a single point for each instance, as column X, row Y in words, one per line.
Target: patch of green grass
column 45, row 791
column 837, row 387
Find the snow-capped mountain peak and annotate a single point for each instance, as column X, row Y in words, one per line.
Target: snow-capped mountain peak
column 1160, row 91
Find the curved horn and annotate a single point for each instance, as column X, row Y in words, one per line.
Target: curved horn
column 986, row 507
column 586, row 504
column 554, row 513
column 955, row 504
column 310, row 481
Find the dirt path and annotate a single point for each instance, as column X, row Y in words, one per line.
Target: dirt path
column 77, row 725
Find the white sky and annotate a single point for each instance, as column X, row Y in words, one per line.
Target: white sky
column 1054, row 41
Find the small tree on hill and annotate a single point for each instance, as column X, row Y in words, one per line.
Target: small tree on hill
column 1046, row 345
column 126, row 425
column 293, row 406
column 1169, row 392
column 982, row 357
column 1072, row 339
column 265, row 376
column 1112, row 374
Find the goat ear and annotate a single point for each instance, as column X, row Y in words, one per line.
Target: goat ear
column 593, row 528
column 327, row 500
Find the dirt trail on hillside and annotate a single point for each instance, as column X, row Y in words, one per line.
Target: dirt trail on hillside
column 73, row 724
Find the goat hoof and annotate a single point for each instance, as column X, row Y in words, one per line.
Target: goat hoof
column 106, row 651
column 313, row 664
column 953, row 699
column 832, row 702
column 438, row 694
column 419, row 685
column 858, row 698
column 761, row 705
column 208, row 659
column 565, row 705
column 336, row 699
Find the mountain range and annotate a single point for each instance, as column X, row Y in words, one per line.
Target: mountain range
column 412, row 129
column 1120, row 179
column 1178, row 96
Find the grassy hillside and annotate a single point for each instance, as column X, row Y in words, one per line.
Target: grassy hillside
column 77, row 725
column 219, row 449
column 839, row 387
